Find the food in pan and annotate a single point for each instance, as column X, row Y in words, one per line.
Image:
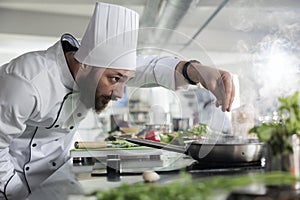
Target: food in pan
column 194, row 133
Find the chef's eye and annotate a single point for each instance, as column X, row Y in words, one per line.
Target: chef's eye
column 115, row 79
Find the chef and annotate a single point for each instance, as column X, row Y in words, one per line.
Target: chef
column 45, row 94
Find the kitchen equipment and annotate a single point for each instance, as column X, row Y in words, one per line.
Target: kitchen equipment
column 242, row 120
column 88, row 156
column 243, row 152
column 180, row 124
column 113, row 167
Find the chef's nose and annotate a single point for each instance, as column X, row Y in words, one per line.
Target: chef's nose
column 118, row 91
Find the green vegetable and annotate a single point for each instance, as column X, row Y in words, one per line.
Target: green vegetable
column 168, row 137
column 178, row 137
column 277, row 133
column 124, row 143
column 291, row 106
column 199, row 130
column 188, row 189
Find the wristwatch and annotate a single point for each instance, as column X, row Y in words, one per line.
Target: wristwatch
column 184, row 71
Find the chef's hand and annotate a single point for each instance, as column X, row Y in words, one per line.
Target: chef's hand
column 219, row 82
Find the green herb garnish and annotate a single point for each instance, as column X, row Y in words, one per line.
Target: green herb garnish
column 188, row 189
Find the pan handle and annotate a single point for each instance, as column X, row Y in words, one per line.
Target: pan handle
column 158, row 145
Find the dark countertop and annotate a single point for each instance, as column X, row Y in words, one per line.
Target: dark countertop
column 60, row 187
column 91, row 183
column 271, row 192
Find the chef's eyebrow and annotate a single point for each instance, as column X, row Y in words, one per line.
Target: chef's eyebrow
column 122, row 75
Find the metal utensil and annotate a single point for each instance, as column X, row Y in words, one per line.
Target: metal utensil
column 217, row 153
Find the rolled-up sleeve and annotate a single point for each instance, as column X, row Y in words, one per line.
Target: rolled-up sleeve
column 155, row 71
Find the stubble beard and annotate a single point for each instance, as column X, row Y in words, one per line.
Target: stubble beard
column 101, row 103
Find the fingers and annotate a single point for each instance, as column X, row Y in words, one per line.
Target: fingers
column 220, row 83
column 226, row 91
column 231, row 96
column 229, row 91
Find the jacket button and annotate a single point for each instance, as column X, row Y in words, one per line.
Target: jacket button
column 34, row 145
column 71, row 127
column 53, row 164
column 79, row 114
column 56, row 126
column 27, row 168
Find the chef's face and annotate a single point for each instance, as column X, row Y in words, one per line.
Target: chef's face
column 111, row 86
column 100, row 85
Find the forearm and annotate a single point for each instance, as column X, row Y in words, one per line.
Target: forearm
column 167, row 72
column 219, row 82
column 197, row 73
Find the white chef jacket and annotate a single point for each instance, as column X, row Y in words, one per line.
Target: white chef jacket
column 40, row 110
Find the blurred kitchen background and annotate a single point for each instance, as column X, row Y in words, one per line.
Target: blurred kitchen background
column 257, row 40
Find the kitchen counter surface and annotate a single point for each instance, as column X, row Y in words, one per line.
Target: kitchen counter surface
column 99, row 180
column 92, row 183
column 250, row 192
column 67, row 189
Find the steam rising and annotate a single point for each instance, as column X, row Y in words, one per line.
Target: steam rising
column 274, row 56
column 276, row 67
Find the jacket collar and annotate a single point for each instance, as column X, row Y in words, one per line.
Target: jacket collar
column 65, row 74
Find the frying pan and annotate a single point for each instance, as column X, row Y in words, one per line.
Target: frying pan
column 214, row 153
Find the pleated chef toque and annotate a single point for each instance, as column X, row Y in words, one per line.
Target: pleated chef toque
column 110, row 40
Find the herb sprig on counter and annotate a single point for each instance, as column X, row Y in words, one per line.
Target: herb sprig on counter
column 187, row 189
column 124, row 143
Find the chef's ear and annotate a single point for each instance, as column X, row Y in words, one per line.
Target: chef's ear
column 80, row 66
column 85, row 67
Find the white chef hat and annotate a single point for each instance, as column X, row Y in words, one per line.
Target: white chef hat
column 110, row 40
